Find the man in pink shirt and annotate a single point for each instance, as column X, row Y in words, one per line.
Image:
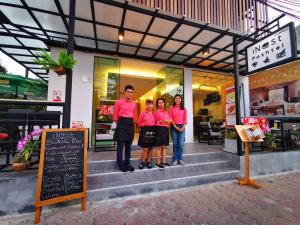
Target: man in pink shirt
column 124, row 116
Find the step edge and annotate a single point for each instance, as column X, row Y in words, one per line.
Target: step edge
column 154, row 168
column 188, row 154
column 160, row 181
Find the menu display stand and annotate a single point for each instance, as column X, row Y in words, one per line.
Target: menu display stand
column 247, row 180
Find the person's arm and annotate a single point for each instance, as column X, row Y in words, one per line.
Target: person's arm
column 141, row 118
column 116, row 112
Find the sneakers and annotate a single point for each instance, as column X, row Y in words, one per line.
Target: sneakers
column 180, row 162
column 149, row 165
column 160, row 166
column 174, row 163
column 166, row 164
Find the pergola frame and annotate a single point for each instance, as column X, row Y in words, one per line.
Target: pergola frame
column 235, row 67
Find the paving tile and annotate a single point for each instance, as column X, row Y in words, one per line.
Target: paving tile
column 277, row 202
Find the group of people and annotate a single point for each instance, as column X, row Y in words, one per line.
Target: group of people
column 154, row 130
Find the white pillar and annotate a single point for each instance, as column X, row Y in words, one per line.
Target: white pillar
column 188, row 103
column 245, row 97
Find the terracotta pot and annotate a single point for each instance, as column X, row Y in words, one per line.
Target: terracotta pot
column 271, row 146
column 18, row 167
column 59, row 70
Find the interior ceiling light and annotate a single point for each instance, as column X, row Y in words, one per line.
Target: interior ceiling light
column 208, row 88
column 121, row 34
column 205, row 52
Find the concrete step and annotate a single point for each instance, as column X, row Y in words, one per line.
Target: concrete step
column 118, row 178
column 95, row 167
column 124, row 190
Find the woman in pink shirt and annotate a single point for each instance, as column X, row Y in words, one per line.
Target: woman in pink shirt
column 147, row 136
column 162, row 121
column 178, row 115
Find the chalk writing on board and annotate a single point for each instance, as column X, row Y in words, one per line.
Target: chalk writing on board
column 63, row 164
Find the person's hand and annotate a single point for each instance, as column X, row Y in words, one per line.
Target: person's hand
column 168, row 121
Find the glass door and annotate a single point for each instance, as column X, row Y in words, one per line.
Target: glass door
column 105, row 93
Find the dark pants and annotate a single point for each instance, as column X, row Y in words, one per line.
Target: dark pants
column 120, row 147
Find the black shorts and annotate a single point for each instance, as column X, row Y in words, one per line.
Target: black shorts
column 162, row 136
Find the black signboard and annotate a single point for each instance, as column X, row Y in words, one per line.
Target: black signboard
column 63, row 164
column 62, row 168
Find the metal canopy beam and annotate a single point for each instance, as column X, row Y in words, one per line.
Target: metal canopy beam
column 146, row 31
column 122, row 25
column 169, row 37
column 187, row 42
column 59, row 41
column 70, row 49
column 204, row 47
column 170, row 18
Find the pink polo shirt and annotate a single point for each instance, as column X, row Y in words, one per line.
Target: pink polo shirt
column 178, row 116
column 124, row 108
column 160, row 116
column 146, row 119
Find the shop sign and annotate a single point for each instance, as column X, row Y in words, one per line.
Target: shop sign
column 275, row 49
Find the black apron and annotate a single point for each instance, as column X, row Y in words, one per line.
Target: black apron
column 147, row 137
column 162, row 136
column 124, row 130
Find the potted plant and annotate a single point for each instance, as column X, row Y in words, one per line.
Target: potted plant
column 64, row 61
column 25, row 148
column 270, row 141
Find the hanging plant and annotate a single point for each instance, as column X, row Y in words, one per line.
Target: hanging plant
column 64, row 61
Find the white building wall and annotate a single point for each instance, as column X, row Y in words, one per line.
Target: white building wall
column 82, row 88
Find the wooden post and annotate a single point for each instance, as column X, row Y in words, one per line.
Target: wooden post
column 38, row 212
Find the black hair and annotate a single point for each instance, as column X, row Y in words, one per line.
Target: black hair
column 157, row 100
column 181, row 103
column 128, row 86
column 149, row 101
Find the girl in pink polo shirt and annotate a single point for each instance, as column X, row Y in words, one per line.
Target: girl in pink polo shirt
column 178, row 115
column 162, row 121
column 147, row 136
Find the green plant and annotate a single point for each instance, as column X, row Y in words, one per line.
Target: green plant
column 26, row 146
column 270, row 138
column 231, row 134
column 44, row 59
column 64, row 60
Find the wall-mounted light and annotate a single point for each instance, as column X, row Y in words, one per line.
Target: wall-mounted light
column 205, row 52
column 121, row 34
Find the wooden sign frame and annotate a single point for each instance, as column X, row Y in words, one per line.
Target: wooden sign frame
column 247, row 180
column 39, row 204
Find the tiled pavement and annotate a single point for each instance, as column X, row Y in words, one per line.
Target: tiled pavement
column 276, row 203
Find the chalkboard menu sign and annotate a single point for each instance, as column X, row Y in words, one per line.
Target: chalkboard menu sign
column 62, row 169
